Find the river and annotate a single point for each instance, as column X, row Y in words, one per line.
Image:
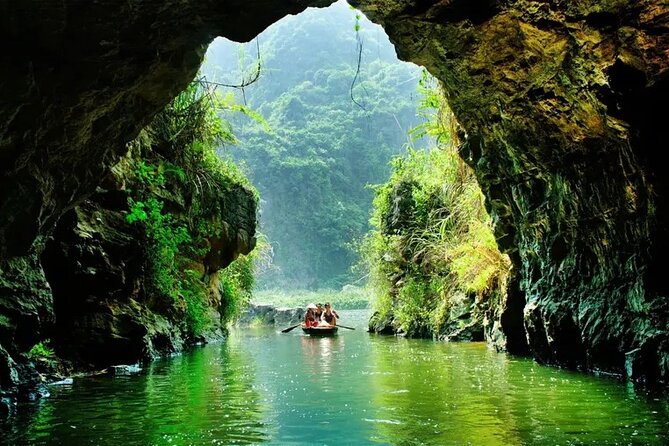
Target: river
column 264, row 387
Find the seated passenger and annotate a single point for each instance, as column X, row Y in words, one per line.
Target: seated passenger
column 310, row 316
column 329, row 316
column 319, row 311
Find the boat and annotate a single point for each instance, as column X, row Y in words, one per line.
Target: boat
column 320, row 331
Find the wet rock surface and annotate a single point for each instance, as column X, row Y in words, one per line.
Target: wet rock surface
column 555, row 100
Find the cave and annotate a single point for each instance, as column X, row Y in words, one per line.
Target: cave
column 558, row 102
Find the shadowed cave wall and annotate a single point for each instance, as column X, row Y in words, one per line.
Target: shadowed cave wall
column 555, row 98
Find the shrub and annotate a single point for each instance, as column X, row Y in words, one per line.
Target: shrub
column 432, row 241
column 41, row 350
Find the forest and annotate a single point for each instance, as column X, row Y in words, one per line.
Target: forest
column 330, row 129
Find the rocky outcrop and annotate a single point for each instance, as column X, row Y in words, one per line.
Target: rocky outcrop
column 92, row 291
column 107, row 308
column 556, row 101
column 259, row 314
column 415, row 264
column 382, row 324
column 26, row 314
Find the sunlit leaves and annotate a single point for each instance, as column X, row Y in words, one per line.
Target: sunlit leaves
column 179, row 185
column 433, row 243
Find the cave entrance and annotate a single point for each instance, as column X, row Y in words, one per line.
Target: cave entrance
column 338, row 108
column 341, row 112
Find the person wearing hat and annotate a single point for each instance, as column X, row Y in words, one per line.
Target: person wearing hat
column 310, row 316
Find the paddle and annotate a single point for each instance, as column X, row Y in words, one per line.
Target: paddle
column 286, row 330
column 344, row 326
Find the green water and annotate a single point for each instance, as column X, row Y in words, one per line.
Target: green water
column 264, row 387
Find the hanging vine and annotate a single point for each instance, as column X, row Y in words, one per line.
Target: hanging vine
column 358, row 40
column 246, row 81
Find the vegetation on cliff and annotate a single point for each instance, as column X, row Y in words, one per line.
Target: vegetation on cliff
column 179, row 196
column 433, row 257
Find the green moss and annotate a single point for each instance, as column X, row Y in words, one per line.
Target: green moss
column 5, row 322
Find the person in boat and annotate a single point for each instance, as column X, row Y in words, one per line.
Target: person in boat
column 329, row 316
column 310, row 316
column 319, row 311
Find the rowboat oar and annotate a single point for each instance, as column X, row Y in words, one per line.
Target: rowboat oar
column 286, row 330
column 344, row 326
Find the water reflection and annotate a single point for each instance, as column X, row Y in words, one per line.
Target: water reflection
column 318, row 356
column 431, row 393
column 262, row 386
column 203, row 397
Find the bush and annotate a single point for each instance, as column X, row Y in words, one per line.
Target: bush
column 41, row 350
column 432, row 241
column 236, row 286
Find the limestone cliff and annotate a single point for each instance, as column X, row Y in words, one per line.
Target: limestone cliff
column 556, row 101
column 98, row 265
column 132, row 271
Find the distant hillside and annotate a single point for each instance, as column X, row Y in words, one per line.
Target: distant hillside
column 323, row 149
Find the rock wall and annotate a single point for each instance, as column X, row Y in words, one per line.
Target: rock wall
column 110, row 300
column 26, row 313
column 271, row 315
column 91, row 292
column 556, row 101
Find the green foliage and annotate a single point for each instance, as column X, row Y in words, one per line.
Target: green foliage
column 190, row 132
column 194, row 292
column 236, row 285
column 313, row 168
column 430, row 109
column 178, row 185
column 41, row 350
column 348, row 298
column 432, row 243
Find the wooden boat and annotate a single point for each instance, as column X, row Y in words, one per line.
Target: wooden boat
column 320, row 331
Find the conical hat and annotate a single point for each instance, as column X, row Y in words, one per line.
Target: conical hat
column 313, row 306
